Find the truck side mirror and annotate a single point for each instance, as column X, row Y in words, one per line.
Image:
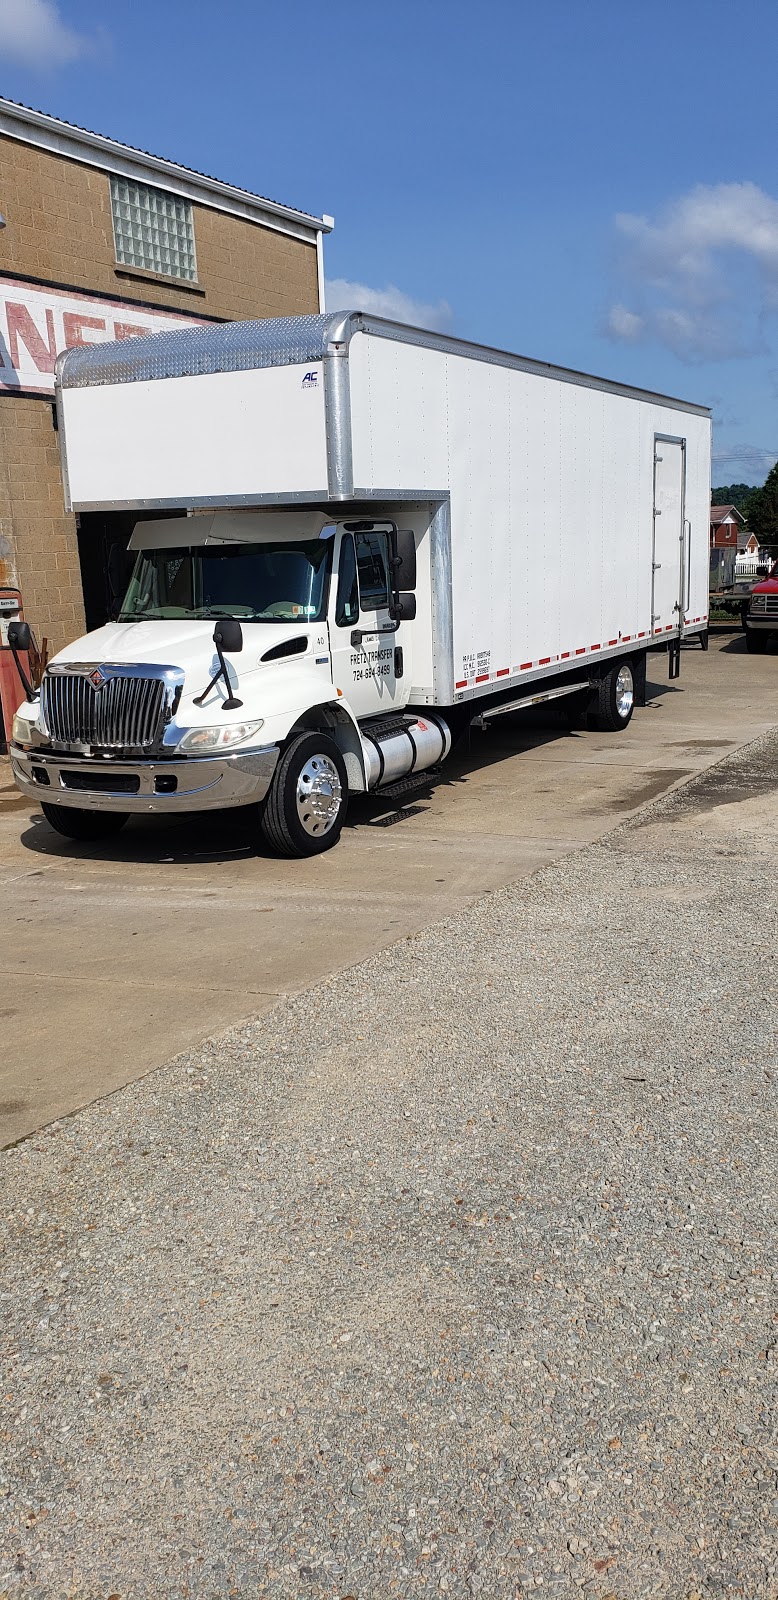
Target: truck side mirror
column 405, row 570
column 404, row 609
column 19, row 635
column 228, row 635
column 20, row 639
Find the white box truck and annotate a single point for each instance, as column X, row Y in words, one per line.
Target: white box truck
column 353, row 539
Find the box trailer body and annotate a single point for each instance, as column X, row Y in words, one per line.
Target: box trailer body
column 559, row 522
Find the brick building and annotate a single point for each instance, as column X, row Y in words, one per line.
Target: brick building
column 102, row 241
column 725, row 522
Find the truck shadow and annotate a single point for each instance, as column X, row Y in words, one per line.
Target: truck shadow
column 738, row 646
column 165, row 841
column 221, row 836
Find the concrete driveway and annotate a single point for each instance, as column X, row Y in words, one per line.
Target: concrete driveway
column 115, row 957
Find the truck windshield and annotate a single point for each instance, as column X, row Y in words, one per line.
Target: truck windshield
column 283, row 582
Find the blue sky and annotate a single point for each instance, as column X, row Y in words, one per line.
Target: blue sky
column 592, row 182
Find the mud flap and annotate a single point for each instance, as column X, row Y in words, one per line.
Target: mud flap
column 639, row 664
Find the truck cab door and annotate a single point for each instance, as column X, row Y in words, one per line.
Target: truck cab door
column 374, row 673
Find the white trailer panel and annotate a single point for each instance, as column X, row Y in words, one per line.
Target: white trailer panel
column 224, row 437
column 560, row 518
column 551, row 487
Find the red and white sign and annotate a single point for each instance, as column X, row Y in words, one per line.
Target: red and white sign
column 37, row 323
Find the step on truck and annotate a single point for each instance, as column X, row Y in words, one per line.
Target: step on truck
column 353, row 539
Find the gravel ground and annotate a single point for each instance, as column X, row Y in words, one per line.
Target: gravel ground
column 453, row 1276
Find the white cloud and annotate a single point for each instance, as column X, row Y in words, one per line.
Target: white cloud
column 33, row 34
column 702, row 278
column 391, row 302
column 623, row 324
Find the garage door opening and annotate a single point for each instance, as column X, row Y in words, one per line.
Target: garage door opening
column 106, row 563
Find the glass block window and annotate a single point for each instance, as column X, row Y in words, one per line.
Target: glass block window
column 153, row 230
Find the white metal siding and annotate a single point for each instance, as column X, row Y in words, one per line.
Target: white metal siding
column 551, row 487
column 208, row 437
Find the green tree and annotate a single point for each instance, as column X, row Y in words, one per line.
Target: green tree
column 732, row 494
column 761, row 510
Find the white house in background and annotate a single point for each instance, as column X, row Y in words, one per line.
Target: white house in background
column 747, row 542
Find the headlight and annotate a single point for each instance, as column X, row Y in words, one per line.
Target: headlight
column 209, row 741
column 23, row 730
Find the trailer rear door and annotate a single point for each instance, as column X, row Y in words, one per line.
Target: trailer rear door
column 668, row 555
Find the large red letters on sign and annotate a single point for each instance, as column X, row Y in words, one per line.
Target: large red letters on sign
column 21, row 326
column 74, row 324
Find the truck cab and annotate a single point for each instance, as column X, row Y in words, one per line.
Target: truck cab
column 244, row 640
column 761, row 619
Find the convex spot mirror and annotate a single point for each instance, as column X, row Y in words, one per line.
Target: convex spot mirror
column 405, row 570
column 404, row 609
column 228, row 635
column 19, row 635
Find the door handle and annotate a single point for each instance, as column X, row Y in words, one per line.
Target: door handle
column 657, row 566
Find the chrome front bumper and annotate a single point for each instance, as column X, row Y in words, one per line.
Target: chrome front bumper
column 195, row 784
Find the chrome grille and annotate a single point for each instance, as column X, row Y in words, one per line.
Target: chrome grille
column 126, row 713
column 766, row 604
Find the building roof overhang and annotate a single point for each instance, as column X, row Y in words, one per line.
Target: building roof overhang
column 719, row 514
column 97, row 150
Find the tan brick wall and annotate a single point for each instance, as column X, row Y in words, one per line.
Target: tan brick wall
column 35, row 530
column 59, row 228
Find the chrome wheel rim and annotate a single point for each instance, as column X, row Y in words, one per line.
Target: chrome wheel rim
column 319, row 795
column 625, row 691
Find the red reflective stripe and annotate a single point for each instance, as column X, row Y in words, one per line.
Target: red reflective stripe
column 582, row 651
column 463, row 684
column 544, row 661
column 524, row 666
column 626, row 638
column 565, row 656
column 612, row 641
column 595, row 647
column 641, row 636
column 502, row 672
column 483, row 678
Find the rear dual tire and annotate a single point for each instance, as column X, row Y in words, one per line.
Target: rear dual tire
column 614, row 700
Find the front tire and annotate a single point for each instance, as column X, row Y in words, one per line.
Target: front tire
column 76, row 823
column 306, row 807
column 614, row 702
column 756, row 641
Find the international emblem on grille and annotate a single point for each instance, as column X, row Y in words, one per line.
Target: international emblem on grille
column 96, row 678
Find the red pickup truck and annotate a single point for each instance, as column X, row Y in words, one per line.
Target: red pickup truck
column 762, row 617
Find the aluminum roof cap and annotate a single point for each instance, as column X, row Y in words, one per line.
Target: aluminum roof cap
column 288, row 341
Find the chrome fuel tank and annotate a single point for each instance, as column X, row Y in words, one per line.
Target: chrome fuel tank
column 396, row 747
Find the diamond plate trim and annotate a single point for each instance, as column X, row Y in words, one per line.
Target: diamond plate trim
column 185, row 352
